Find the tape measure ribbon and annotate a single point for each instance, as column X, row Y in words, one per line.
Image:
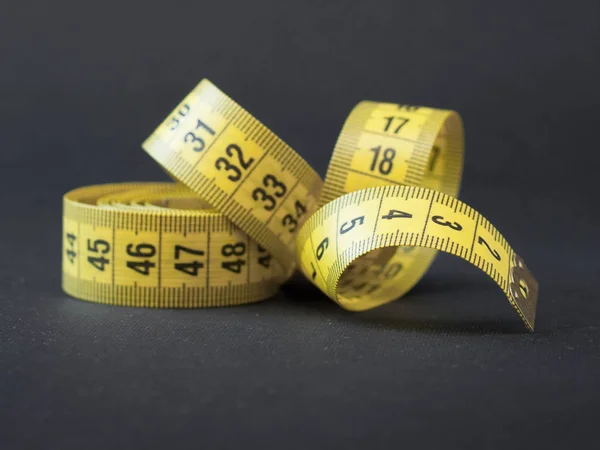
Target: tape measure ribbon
column 247, row 207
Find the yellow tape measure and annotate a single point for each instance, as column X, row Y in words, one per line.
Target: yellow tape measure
column 247, row 208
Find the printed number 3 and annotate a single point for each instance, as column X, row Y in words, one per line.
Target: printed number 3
column 440, row 221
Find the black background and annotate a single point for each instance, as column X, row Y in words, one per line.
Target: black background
column 83, row 83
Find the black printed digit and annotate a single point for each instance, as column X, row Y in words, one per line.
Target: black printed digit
column 264, row 257
column 191, row 266
column 291, row 222
column 71, row 254
column 100, row 247
column 142, row 266
column 230, row 251
column 494, row 252
column 396, row 214
column 386, row 164
column 228, row 166
column 348, row 226
column 398, row 122
column 321, row 248
column 435, row 152
column 175, row 120
column 276, row 188
column 441, row 221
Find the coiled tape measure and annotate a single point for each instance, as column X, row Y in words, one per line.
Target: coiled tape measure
column 246, row 209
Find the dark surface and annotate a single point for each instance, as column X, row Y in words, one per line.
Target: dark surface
column 82, row 84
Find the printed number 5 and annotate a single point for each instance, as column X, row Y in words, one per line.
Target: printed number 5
column 349, row 226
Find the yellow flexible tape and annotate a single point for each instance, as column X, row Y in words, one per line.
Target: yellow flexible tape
column 247, row 208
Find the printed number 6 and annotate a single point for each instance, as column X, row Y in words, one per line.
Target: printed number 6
column 321, row 248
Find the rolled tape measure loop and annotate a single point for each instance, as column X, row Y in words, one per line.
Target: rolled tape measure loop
column 247, row 208
column 226, row 156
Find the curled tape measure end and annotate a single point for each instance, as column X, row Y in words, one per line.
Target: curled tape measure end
column 397, row 231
